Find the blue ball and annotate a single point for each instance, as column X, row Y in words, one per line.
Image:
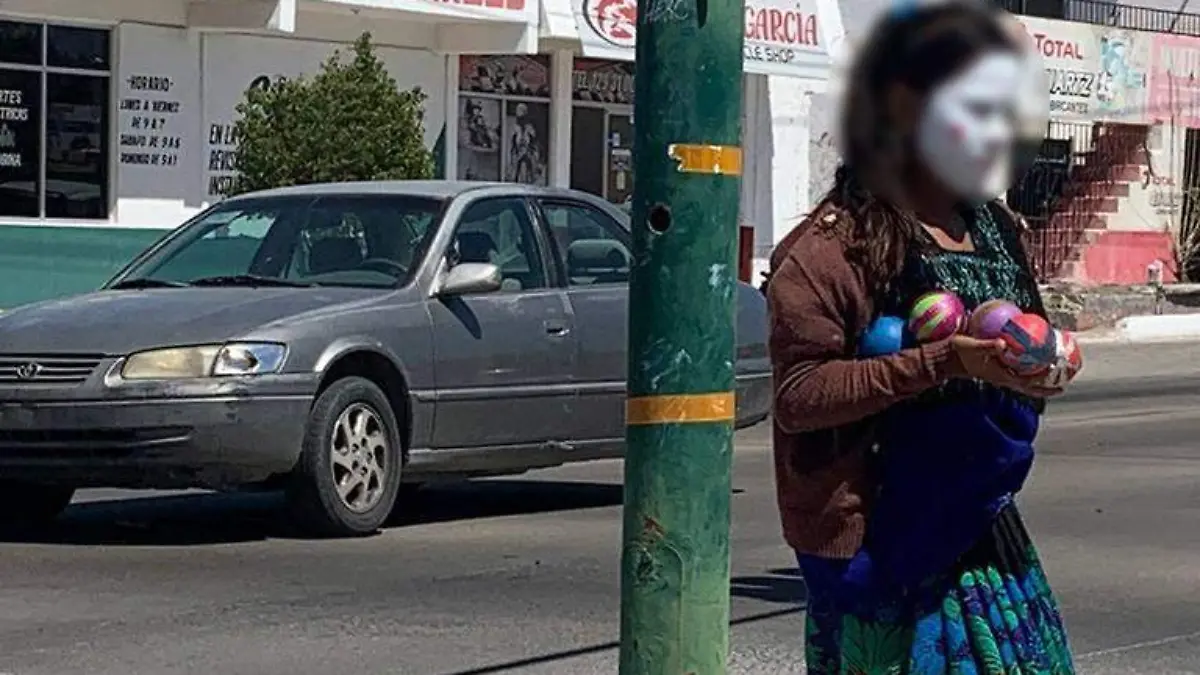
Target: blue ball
column 885, row 335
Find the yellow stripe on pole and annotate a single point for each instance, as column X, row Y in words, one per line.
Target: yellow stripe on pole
column 683, row 408
column 723, row 160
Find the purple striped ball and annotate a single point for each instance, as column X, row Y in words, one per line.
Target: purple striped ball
column 988, row 320
column 936, row 316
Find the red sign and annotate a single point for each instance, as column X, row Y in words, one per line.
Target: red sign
column 782, row 26
column 510, row 5
column 1053, row 48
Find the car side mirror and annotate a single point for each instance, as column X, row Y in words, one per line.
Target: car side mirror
column 470, row 279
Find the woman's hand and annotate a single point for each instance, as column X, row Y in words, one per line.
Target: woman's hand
column 981, row 359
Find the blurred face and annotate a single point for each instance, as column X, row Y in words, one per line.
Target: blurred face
column 968, row 128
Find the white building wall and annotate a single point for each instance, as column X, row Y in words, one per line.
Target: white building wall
column 176, row 97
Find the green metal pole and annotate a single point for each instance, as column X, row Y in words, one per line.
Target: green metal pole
column 687, row 168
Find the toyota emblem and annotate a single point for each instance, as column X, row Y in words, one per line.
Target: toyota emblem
column 28, row 371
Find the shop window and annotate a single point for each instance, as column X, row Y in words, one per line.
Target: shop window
column 504, row 119
column 82, row 48
column 54, row 157
column 20, row 142
column 21, row 43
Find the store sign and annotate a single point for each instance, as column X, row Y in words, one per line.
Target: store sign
column 1175, row 80
column 516, row 11
column 1093, row 72
column 782, row 37
column 597, row 81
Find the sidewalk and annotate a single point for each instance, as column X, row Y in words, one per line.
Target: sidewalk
column 1146, row 329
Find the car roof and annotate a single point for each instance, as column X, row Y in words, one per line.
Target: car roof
column 435, row 189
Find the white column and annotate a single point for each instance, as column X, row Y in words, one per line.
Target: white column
column 788, row 105
column 561, row 71
column 451, row 138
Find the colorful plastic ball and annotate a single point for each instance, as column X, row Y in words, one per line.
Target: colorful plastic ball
column 988, row 319
column 1067, row 363
column 885, row 335
column 1030, row 343
column 936, row 316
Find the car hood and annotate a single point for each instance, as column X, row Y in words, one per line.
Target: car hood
column 120, row 322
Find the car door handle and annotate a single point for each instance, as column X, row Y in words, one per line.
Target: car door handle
column 556, row 327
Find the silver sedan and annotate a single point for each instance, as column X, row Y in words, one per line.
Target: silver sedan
column 338, row 341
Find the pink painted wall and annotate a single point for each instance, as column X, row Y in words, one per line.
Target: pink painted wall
column 1121, row 257
column 1174, row 82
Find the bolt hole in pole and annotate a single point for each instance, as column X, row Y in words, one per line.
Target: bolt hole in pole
column 659, row 218
column 701, row 12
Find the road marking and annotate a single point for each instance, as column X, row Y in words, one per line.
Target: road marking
column 1140, row 645
column 717, row 407
column 711, row 159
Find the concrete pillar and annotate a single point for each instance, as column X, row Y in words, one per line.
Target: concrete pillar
column 562, row 67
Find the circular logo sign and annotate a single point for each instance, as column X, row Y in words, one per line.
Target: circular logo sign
column 615, row 21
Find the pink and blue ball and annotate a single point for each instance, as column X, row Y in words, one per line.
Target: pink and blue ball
column 988, row 319
column 936, row 316
column 1030, row 344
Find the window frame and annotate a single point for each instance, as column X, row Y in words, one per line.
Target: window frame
column 624, row 235
column 44, row 71
column 541, row 239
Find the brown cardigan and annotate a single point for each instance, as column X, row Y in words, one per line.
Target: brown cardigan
column 819, row 304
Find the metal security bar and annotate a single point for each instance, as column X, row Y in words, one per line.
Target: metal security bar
column 1112, row 14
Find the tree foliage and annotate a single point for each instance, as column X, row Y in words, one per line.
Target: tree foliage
column 348, row 122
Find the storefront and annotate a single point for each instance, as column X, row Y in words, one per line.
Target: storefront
column 117, row 125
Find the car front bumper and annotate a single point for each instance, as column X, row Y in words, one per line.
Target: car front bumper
column 202, row 435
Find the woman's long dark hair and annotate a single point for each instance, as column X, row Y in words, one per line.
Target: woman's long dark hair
column 919, row 49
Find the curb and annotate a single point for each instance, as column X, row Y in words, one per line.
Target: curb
column 1157, row 328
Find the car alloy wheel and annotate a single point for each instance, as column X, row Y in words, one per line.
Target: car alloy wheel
column 359, row 455
column 348, row 476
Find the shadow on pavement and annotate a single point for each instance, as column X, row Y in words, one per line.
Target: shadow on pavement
column 213, row 518
column 567, row 654
column 778, row 586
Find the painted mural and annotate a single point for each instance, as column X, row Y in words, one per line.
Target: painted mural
column 1093, row 72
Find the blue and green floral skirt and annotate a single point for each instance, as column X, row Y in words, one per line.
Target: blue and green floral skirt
column 992, row 614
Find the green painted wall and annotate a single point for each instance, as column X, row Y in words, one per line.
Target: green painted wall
column 43, row 262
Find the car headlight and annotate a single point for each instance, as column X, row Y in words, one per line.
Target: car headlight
column 177, row 363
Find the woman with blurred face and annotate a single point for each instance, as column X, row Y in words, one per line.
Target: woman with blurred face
column 896, row 474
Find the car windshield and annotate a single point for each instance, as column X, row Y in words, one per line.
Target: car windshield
column 368, row 240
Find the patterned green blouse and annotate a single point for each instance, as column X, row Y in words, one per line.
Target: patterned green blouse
column 996, row 269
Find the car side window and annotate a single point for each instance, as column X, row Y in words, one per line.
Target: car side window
column 590, row 243
column 500, row 231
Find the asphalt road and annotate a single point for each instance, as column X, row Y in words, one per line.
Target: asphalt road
column 521, row 576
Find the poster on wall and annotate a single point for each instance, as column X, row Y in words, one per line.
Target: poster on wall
column 233, row 63
column 157, row 123
column 1175, row 80
column 527, row 129
column 479, row 142
column 511, row 75
column 1094, row 72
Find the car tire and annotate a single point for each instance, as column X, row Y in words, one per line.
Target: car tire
column 24, row 505
column 346, row 481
